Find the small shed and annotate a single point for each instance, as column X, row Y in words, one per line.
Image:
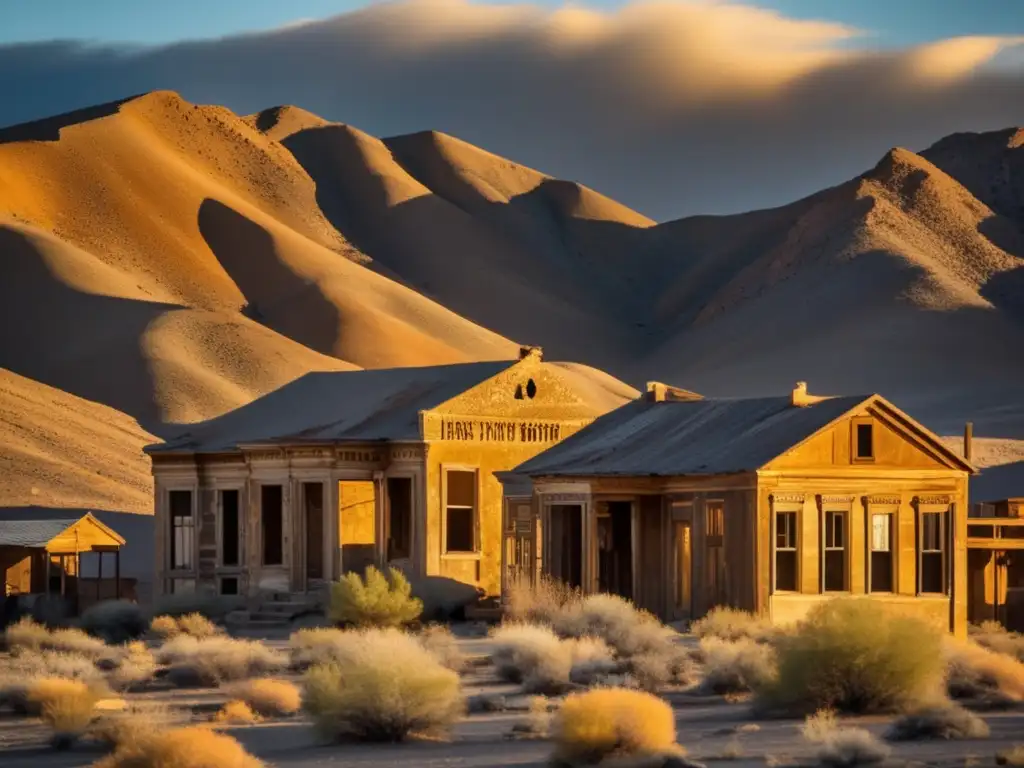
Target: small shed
column 42, row 551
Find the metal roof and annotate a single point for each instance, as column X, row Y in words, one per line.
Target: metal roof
column 701, row 437
column 37, row 526
column 338, row 406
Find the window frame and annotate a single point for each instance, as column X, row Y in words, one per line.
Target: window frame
column 475, row 553
column 855, row 425
column 892, row 513
column 794, row 506
column 945, row 516
column 835, row 505
column 719, row 545
column 172, row 569
column 221, row 565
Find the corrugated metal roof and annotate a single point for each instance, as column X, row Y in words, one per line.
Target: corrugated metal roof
column 35, row 526
column 338, row 406
column 703, row 437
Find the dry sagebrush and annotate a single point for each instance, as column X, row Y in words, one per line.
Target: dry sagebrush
column 605, row 723
column 115, row 621
column 982, row 677
column 943, row 720
column 541, row 603
column 193, row 624
column 267, row 697
column 732, row 624
column 849, row 657
column 190, row 747
column 27, row 635
column 215, row 660
column 736, row 666
column 840, row 746
column 387, row 688
column 533, row 655
column 376, row 601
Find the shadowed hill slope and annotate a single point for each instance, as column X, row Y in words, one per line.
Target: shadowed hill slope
column 175, row 261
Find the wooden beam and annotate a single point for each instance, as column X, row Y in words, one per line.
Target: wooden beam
column 995, row 544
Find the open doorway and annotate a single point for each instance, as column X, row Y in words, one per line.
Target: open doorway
column 567, row 544
column 615, row 548
column 357, row 505
column 398, row 533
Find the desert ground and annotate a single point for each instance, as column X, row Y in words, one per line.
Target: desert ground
column 166, row 262
column 880, row 690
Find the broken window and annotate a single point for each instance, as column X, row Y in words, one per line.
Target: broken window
column 931, row 553
column 229, row 532
column 834, row 553
column 785, row 552
column 182, row 530
column 881, row 553
column 460, row 510
column 272, row 518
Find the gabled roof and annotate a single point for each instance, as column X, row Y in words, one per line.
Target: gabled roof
column 699, row 437
column 36, row 527
column 337, row 406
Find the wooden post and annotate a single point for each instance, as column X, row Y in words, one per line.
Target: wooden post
column 117, row 574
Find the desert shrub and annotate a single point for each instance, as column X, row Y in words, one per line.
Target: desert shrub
column 440, row 641
column 164, row 627
column 266, row 697
column 1013, row 756
column 591, row 660
column 119, row 729
column 736, row 666
column 532, row 654
column 319, row 645
column 213, row 607
column 652, row 671
column 115, row 621
column 995, row 637
column 191, row 747
column 848, row 656
column 389, row 687
column 31, row 664
column 541, row 603
column 26, row 635
column 629, row 631
column 839, row 746
column 137, row 665
column 731, row 624
column 377, row 601
column 938, row 721
column 197, row 625
column 981, row 676
column 215, row 660
column 68, row 715
column 612, row 722
column 57, row 692
column 236, row 712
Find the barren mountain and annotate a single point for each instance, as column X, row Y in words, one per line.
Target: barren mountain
column 173, row 261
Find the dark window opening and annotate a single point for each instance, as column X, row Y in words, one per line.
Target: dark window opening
column 834, row 554
column 881, row 553
column 313, row 501
column 932, row 555
column 615, row 549
column 865, row 441
column 785, row 552
column 399, row 518
column 182, row 529
column 229, row 585
column 229, row 551
column 460, row 511
column 714, row 538
column 531, row 389
column 272, row 517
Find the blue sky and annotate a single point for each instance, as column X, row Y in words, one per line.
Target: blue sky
column 891, row 22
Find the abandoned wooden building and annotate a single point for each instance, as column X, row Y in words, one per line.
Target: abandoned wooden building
column 43, row 551
column 995, row 563
column 766, row 504
column 339, row 470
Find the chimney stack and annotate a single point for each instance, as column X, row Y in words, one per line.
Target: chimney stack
column 968, row 436
column 801, row 399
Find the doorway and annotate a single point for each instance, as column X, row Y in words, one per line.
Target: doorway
column 567, row 544
column 357, row 507
column 398, row 531
column 682, row 570
column 615, row 548
column 313, row 508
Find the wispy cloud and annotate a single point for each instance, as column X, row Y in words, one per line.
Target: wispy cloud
column 671, row 107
